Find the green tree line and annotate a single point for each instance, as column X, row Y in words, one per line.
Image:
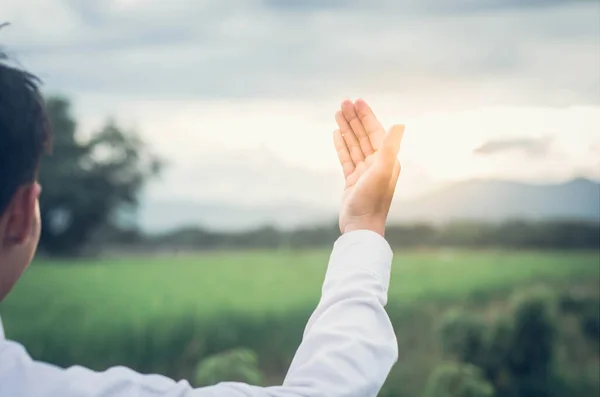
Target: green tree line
column 514, row 234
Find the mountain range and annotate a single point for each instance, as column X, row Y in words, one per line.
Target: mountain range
column 484, row 200
column 494, row 201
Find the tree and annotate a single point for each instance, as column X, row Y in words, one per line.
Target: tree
column 87, row 182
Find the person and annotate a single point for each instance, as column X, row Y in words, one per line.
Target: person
column 348, row 346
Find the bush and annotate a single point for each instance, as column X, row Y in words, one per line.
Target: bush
column 587, row 308
column 458, row 380
column 462, row 336
column 515, row 355
column 590, row 321
column 498, row 343
column 573, row 301
column 239, row 365
column 535, row 332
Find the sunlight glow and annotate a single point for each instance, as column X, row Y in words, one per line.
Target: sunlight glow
column 438, row 147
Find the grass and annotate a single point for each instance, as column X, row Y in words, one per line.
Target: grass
column 259, row 282
column 162, row 314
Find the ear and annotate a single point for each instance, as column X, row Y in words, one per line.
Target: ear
column 21, row 214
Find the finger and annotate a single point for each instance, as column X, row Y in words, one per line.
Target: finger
column 371, row 124
column 357, row 127
column 343, row 153
column 393, row 139
column 393, row 180
column 395, row 175
column 352, row 143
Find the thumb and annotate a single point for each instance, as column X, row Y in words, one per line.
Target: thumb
column 393, row 138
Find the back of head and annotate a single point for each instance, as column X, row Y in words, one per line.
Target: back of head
column 24, row 135
column 23, row 129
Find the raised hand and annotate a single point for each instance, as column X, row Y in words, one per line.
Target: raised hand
column 369, row 158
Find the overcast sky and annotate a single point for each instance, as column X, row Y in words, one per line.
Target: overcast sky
column 239, row 95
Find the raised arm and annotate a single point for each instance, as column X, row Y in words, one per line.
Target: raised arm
column 348, row 346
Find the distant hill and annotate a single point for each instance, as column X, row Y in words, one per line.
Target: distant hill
column 485, row 200
column 493, row 201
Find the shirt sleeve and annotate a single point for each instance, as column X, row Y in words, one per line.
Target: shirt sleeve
column 348, row 347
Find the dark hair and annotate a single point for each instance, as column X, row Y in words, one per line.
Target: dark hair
column 24, row 132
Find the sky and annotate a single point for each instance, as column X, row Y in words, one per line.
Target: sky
column 239, row 96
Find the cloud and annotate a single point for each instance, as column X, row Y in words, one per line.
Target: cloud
column 533, row 147
column 249, row 177
column 509, row 52
column 423, row 6
column 414, row 6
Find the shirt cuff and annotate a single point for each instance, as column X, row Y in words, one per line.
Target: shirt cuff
column 364, row 250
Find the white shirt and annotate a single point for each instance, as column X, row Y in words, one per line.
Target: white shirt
column 348, row 347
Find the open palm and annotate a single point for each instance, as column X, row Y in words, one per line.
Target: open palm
column 368, row 156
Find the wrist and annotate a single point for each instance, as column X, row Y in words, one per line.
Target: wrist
column 372, row 225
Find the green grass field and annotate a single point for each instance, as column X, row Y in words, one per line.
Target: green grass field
column 260, row 282
column 162, row 314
